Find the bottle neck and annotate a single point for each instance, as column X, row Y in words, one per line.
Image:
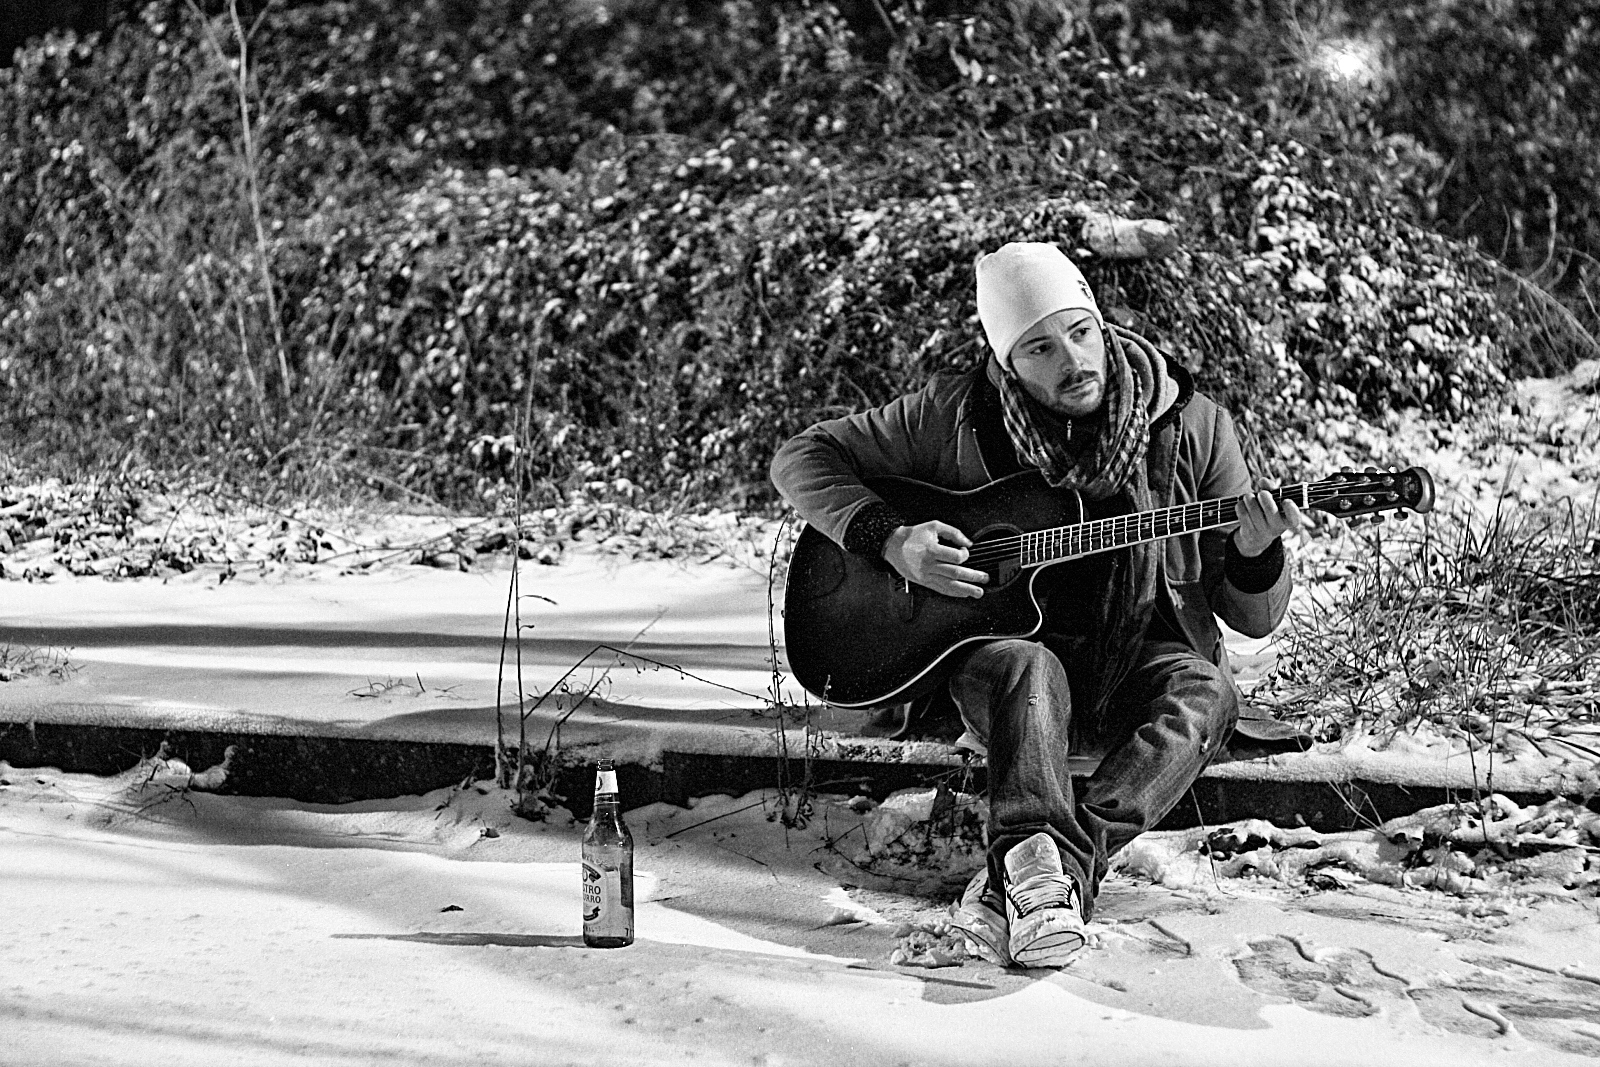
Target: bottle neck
column 607, row 812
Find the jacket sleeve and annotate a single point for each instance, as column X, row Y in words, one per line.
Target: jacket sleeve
column 820, row 471
column 1255, row 610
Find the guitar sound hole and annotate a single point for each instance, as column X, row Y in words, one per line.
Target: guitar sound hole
column 992, row 554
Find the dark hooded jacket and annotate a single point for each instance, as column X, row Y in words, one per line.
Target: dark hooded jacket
column 950, row 434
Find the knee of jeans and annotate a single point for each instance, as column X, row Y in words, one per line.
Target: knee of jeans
column 1223, row 713
column 1227, row 705
column 1209, row 705
column 1014, row 657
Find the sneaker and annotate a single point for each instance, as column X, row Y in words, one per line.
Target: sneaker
column 981, row 918
column 1044, row 907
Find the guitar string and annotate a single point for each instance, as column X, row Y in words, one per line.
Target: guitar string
column 1012, row 546
column 1004, row 548
column 1115, row 526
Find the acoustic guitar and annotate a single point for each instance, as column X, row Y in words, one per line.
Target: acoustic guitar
column 859, row 635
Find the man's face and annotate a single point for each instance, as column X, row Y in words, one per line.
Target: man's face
column 1061, row 362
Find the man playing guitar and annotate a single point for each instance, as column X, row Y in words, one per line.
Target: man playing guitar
column 1129, row 655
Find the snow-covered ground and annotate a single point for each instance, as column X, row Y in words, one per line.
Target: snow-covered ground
column 147, row 925
column 140, row 923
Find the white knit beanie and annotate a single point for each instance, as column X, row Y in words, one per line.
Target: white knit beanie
column 1021, row 284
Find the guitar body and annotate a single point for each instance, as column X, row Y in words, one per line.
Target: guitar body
column 856, row 636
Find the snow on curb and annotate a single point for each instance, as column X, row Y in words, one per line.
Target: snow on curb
column 1419, row 765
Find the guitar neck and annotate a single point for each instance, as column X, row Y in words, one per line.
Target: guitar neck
column 1119, row 531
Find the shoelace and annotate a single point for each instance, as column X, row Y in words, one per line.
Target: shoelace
column 1043, row 891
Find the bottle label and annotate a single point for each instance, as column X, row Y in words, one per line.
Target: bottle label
column 603, row 913
column 605, row 782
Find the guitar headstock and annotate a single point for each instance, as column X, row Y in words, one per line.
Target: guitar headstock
column 1354, row 494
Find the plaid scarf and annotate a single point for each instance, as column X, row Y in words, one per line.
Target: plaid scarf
column 1116, row 457
column 1114, row 462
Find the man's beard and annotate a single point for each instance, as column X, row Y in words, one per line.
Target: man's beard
column 1077, row 405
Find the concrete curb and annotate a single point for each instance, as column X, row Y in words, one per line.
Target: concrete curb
column 332, row 770
column 339, row 687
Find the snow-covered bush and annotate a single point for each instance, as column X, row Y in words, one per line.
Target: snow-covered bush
column 664, row 236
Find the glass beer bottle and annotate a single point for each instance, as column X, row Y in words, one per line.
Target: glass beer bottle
column 607, row 868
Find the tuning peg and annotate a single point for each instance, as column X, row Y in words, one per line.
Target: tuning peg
column 1373, row 470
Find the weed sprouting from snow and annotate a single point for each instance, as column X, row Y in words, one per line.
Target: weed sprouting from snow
column 394, row 686
column 27, row 661
column 795, row 806
column 158, row 780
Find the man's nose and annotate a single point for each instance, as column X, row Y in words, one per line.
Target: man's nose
column 1079, row 358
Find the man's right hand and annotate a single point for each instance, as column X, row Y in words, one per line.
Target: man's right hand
column 931, row 554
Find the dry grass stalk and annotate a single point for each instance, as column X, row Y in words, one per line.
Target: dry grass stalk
column 1476, row 625
column 243, row 79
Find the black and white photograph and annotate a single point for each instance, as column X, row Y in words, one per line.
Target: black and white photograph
column 899, row 533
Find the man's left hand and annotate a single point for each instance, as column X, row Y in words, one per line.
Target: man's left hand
column 1262, row 520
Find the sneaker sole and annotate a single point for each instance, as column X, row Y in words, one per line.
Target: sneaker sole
column 1051, row 950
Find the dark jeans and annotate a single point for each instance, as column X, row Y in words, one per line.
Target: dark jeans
column 1164, row 723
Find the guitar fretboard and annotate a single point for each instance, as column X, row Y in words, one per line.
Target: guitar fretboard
column 1103, row 535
